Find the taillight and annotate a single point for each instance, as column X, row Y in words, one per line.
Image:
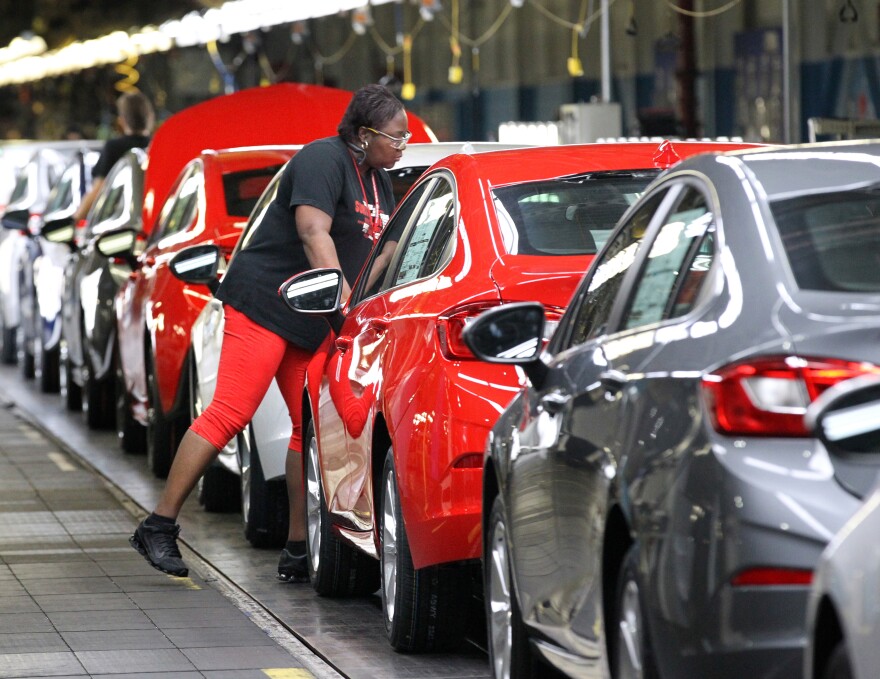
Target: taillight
column 79, row 233
column 770, row 577
column 452, row 323
column 769, row 396
column 35, row 221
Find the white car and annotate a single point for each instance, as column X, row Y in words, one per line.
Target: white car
column 255, row 460
column 843, row 613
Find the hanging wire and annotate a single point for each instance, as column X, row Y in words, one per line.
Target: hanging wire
column 582, row 26
column 848, row 13
column 129, row 73
column 705, row 14
column 338, row 54
column 490, row 32
column 455, row 73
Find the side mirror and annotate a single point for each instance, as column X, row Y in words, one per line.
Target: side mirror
column 60, row 230
column 846, row 417
column 510, row 334
column 16, row 219
column 316, row 292
column 198, row 265
column 118, row 244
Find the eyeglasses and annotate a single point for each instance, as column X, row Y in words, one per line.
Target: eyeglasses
column 396, row 142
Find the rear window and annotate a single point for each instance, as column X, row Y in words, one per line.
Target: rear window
column 566, row 216
column 832, row 240
column 243, row 189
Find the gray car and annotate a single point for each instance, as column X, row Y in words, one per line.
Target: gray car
column 653, row 502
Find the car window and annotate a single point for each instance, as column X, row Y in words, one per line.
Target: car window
column 180, row 210
column 242, row 190
column 403, row 178
column 571, row 215
column 111, row 209
column 676, row 264
column 374, row 278
column 832, row 240
column 61, row 195
column 428, row 236
column 258, row 213
column 595, row 299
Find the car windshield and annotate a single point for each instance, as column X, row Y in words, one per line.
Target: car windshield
column 566, row 216
column 832, row 240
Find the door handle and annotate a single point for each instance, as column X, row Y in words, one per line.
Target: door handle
column 613, row 381
column 343, row 343
column 379, row 324
column 554, row 401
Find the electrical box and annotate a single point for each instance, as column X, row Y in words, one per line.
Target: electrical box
column 585, row 123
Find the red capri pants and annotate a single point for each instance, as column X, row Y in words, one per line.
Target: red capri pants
column 250, row 357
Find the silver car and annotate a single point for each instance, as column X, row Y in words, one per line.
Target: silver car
column 653, row 502
column 843, row 614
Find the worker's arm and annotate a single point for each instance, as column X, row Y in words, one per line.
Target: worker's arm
column 313, row 226
column 88, row 199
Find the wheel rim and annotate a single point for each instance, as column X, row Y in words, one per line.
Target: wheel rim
column 389, row 545
column 630, row 643
column 313, row 505
column 500, row 603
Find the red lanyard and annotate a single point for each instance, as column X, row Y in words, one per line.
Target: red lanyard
column 376, row 207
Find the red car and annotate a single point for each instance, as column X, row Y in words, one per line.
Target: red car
column 209, row 203
column 400, row 409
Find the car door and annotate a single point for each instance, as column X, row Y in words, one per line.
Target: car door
column 561, row 464
column 356, row 370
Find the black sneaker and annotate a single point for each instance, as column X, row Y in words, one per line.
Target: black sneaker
column 157, row 543
column 292, row 568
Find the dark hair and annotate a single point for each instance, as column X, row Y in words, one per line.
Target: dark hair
column 137, row 112
column 371, row 106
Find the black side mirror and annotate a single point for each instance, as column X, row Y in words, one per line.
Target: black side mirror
column 118, row 244
column 510, row 334
column 60, row 230
column 198, row 264
column 846, row 417
column 16, row 219
column 316, row 292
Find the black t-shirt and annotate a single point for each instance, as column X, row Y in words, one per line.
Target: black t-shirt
column 323, row 175
column 114, row 149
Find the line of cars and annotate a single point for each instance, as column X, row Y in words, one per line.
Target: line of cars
column 623, row 466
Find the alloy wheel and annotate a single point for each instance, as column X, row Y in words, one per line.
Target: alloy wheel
column 389, row 544
column 313, row 505
column 500, row 602
column 630, row 634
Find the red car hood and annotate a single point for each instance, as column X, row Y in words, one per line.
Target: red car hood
column 550, row 280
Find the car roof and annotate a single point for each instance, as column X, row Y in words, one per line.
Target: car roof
column 546, row 162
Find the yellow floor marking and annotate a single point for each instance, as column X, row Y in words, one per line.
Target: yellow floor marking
column 61, row 461
column 288, row 673
column 186, row 582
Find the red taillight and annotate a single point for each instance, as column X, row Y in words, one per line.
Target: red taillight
column 452, row 323
column 770, row 577
column 769, row 396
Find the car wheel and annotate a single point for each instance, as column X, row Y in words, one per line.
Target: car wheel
column 421, row 608
column 335, row 568
column 26, row 358
column 132, row 434
column 159, row 434
column 838, row 665
column 218, row 490
column 70, row 390
column 9, row 351
column 263, row 504
column 98, row 402
column 48, row 364
column 510, row 656
column 631, row 655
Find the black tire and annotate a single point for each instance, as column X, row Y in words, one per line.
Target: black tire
column 9, row 350
column 26, row 360
column 335, row 568
column 629, row 619
column 421, row 608
column 27, row 336
column 838, row 665
column 98, row 398
column 164, row 432
column 70, row 390
column 510, row 655
column 47, row 364
column 132, row 434
column 264, row 505
column 219, row 490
